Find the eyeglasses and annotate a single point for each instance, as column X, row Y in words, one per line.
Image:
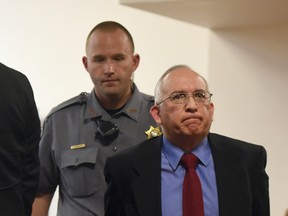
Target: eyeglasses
column 199, row 96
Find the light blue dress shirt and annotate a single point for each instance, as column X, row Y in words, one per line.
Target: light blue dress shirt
column 172, row 177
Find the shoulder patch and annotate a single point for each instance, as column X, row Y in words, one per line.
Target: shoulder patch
column 79, row 99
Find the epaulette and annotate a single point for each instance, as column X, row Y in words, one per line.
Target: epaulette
column 79, row 99
column 148, row 97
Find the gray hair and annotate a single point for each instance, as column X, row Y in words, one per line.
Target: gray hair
column 158, row 88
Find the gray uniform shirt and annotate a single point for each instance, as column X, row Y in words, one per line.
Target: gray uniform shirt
column 79, row 170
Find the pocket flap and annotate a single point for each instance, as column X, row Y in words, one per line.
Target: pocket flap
column 78, row 156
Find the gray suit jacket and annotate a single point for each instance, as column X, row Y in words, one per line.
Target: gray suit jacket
column 134, row 179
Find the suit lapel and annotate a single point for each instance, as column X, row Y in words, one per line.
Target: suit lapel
column 147, row 185
column 230, row 177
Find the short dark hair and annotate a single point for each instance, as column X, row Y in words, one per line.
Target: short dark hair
column 111, row 26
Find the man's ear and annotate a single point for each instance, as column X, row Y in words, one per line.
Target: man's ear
column 136, row 61
column 212, row 111
column 85, row 62
column 155, row 113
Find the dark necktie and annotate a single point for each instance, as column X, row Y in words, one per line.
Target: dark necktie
column 192, row 191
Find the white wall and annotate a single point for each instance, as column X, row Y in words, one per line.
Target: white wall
column 45, row 40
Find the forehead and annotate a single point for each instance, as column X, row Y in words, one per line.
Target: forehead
column 115, row 39
column 183, row 79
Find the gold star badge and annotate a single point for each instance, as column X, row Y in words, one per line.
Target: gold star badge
column 153, row 132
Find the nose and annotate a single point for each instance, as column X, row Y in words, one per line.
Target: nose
column 109, row 68
column 191, row 104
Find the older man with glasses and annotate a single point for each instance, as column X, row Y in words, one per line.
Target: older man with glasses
column 188, row 171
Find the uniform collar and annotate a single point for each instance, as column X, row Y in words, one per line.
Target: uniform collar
column 131, row 109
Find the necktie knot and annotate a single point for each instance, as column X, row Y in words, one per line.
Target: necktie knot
column 189, row 161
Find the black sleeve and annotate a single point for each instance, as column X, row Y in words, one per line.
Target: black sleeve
column 261, row 185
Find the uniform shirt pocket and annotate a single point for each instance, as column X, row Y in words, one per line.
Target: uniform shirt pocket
column 78, row 171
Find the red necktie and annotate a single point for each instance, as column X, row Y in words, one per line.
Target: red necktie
column 192, row 191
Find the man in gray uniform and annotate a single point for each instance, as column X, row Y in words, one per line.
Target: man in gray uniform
column 79, row 134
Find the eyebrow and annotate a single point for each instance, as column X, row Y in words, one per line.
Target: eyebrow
column 178, row 91
column 182, row 91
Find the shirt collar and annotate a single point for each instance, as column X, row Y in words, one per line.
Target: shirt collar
column 174, row 153
column 131, row 109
